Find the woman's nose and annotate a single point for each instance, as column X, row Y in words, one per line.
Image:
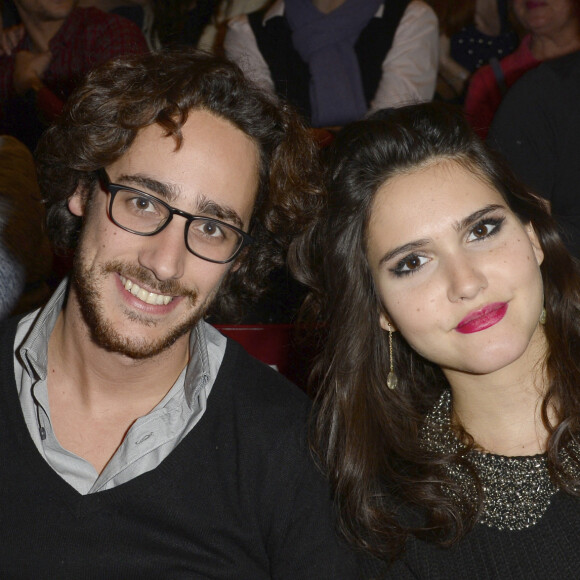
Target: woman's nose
column 466, row 279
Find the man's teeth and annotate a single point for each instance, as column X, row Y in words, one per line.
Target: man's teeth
column 148, row 297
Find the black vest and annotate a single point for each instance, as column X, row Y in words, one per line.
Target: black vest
column 290, row 73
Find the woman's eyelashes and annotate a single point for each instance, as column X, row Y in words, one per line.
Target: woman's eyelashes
column 485, row 228
column 482, row 230
column 409, row 264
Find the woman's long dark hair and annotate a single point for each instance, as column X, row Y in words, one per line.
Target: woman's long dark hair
column 366, row 436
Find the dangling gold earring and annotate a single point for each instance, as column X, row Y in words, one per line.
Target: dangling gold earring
column 543, row 316
column 392, row 377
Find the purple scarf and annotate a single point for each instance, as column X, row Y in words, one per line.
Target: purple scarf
column 326, row 43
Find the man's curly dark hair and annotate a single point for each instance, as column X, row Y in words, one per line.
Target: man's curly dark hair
column 104, row 115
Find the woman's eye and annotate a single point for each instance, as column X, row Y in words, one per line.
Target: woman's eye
column 410, row 264
column 484, row 229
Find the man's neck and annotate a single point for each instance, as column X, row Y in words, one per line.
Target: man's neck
column 96, row 395
column 101, row 378
column 41, row 32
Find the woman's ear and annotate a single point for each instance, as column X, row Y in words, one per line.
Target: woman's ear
column 534, row 240
column 386, row 323
column 77, row 202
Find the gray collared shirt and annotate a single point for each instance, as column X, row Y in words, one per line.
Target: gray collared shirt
column 149, row 440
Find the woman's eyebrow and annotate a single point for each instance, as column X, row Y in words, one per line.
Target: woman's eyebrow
column 458, row 226
column 405, row 248
column 476, row 216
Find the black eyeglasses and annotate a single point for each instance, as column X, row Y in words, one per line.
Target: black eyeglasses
column 146, row 215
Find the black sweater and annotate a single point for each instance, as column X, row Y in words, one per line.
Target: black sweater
column 238, row 498
column 549, row 550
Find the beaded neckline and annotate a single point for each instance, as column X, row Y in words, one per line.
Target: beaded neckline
column 517, row 490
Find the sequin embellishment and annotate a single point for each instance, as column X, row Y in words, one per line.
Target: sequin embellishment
column 517, row 490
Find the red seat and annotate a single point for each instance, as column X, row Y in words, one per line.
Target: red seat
column 273, row 344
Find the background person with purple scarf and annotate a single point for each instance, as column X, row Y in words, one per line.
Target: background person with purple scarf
column 336, row 60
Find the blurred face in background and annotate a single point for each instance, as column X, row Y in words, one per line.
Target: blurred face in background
column 46, row 10
column 545, row 16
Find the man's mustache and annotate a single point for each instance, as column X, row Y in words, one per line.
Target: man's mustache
column 146, row 278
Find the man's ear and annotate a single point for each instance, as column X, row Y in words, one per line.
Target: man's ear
column 237, row 263
column 77, row 203
column 239, row 260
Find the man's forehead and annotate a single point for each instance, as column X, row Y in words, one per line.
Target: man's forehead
column 195, row 118
column 203, row 128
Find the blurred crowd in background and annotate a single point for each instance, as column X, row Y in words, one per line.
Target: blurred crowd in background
column 337, row 61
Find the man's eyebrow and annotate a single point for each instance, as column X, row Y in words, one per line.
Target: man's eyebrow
column 208, row 207
column 169, row 191
column 458, row 226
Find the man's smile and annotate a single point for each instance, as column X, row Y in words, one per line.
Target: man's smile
column 145, row 295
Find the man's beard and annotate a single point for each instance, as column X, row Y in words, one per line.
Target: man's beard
column 87, row 282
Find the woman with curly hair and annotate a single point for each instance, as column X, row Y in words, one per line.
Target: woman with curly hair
column 448, row 379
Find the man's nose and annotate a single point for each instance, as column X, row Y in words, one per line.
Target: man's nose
column 165, row 253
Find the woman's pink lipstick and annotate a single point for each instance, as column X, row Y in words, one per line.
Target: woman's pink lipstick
column 482, row 319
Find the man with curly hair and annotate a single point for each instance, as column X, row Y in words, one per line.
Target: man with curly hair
column 137, row 441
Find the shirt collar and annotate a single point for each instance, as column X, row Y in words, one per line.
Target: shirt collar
column 34, row 349
column 198, row 373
